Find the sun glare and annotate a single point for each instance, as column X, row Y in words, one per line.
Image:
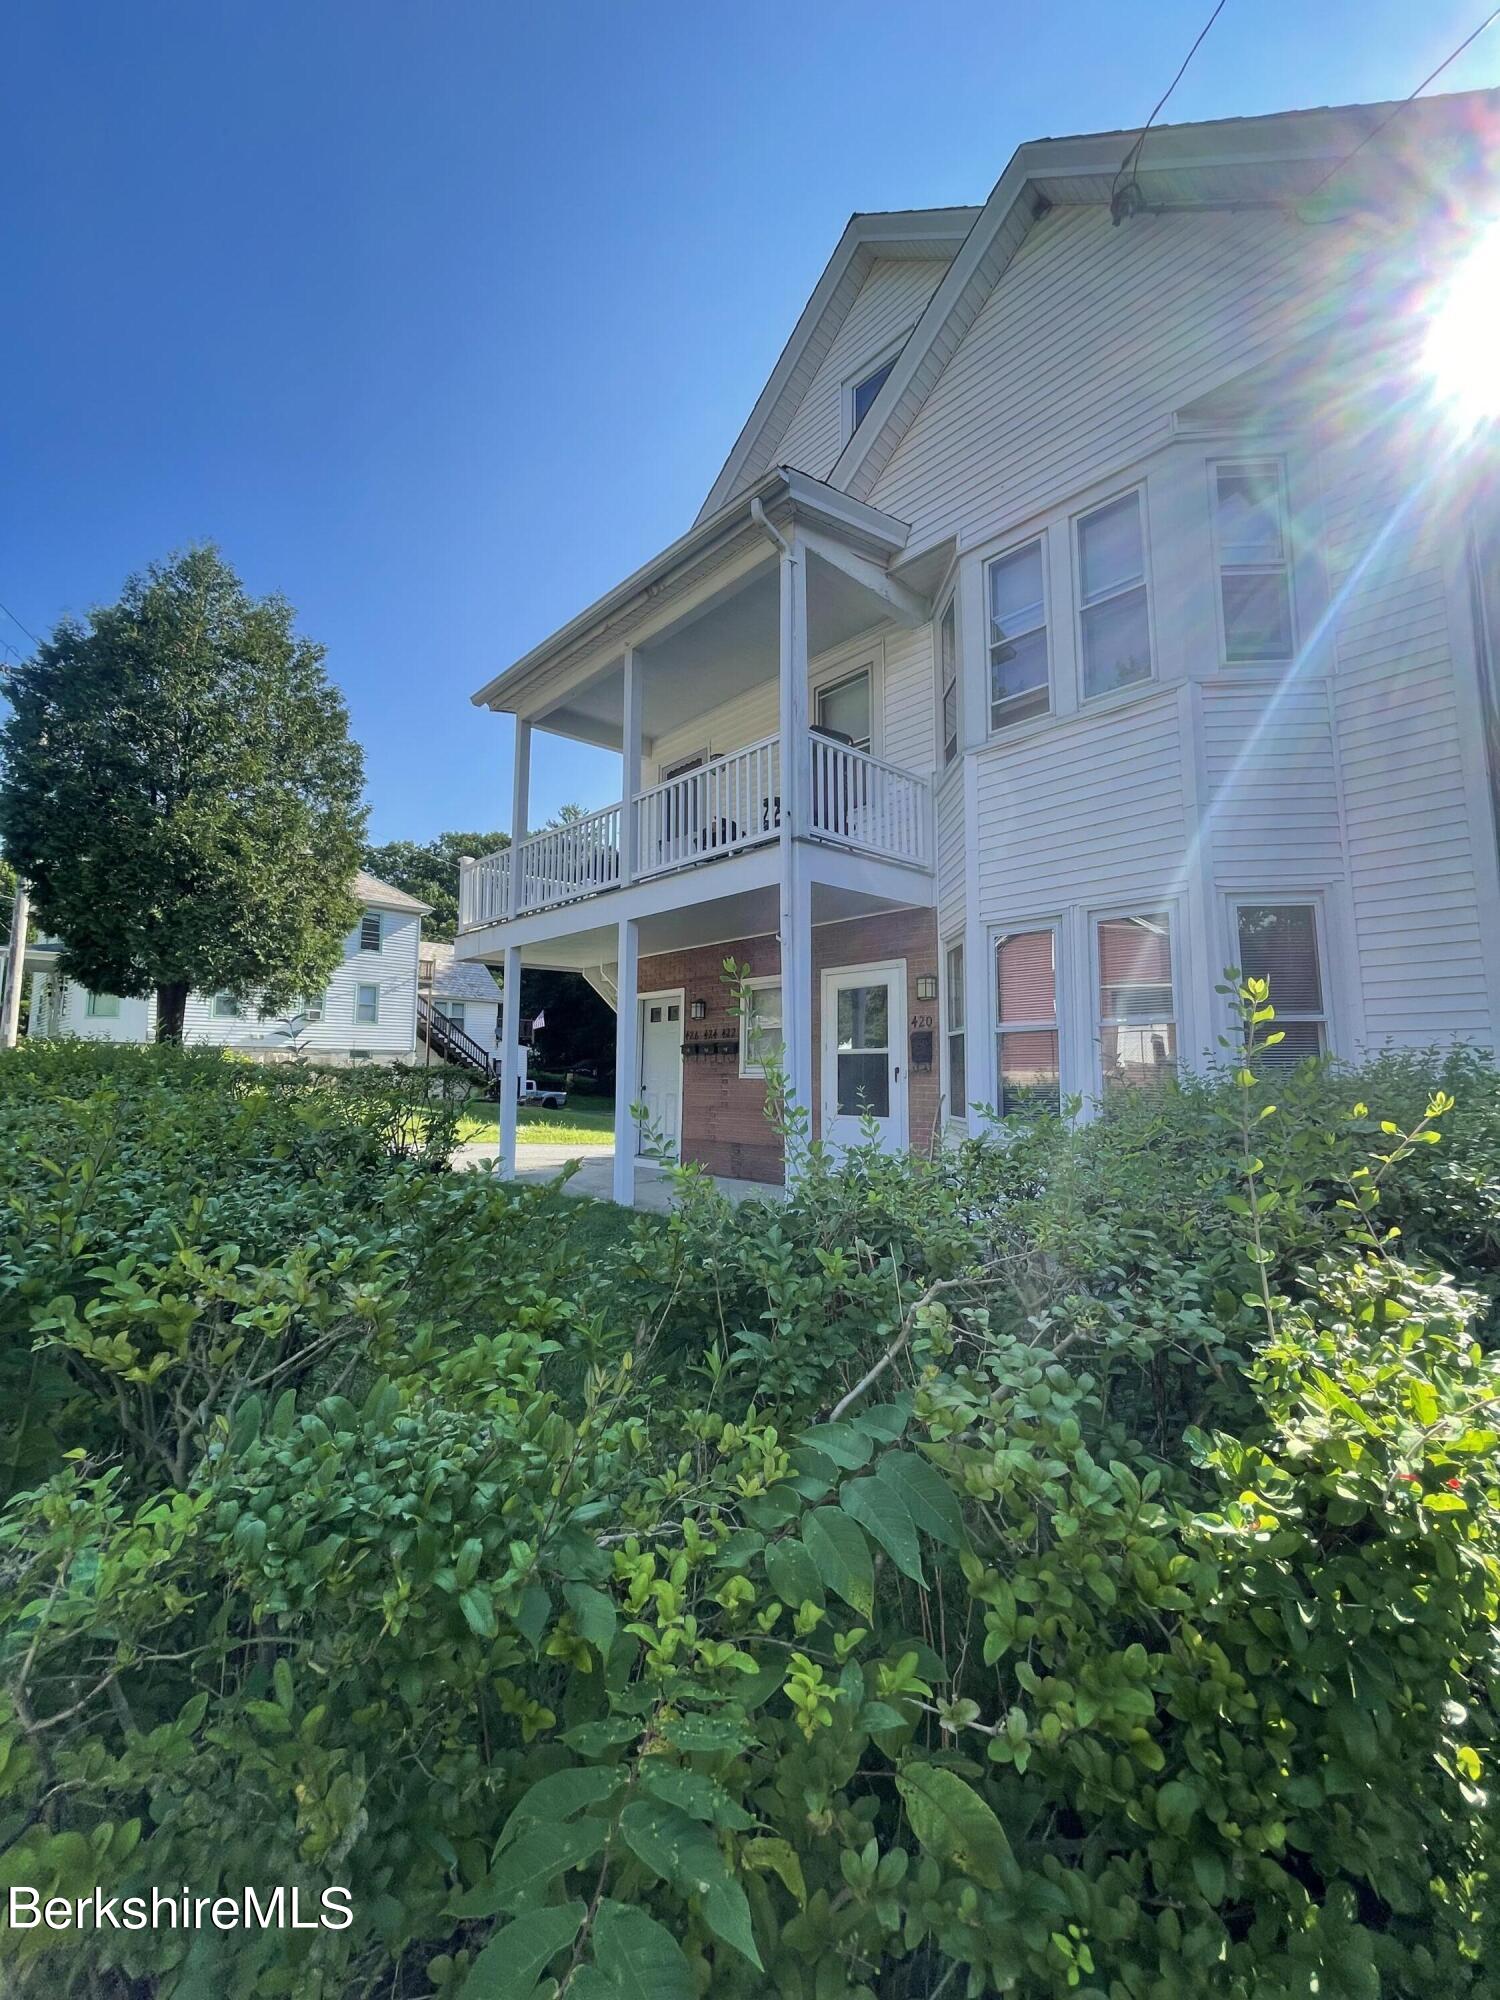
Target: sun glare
column 1463, row 340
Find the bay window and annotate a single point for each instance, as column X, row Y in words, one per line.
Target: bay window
column 1250, row 543
column 1114, row 614
column 948, row 678
column 1028, row 1080
column 1137, row 1014
column 1020, row 683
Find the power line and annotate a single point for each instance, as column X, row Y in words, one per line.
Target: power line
column 1121, row 205
column 16, row 621
column 1396, row 109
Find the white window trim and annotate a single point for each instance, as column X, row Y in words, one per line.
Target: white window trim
column 1143, row 906
column 233, row 1012
column 682, row 766
column 1277, row 461
column 960, row 944
column 1077, row 516
column 1003, row 730
column 1058, row 1024
column 1234, row 900
column 829, row 684
column 367, row 986
column 754, row 1071
column 949, row 604
column 93, row 1012
column 862, row 373
column 364, row 918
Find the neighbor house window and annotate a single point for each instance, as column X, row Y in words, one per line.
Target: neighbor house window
column 1137, row 1018
column 844, row 708
column 226, row 1007
column 369, row 931
column 366, row 1005
column 760, row 1026
column 948, row 678
column 1019, row 683
column 452, row 1011
column 958, row 1077
column 864, row 392
column 102, row 1006
column 1114, row 616
column 312, row 1008
column 1026, row 1052
column 1278, row 942
column 1255, row 591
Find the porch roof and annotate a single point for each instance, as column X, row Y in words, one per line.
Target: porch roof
column 784, row 493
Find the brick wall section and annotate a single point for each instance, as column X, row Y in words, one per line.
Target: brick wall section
column 723, row 1114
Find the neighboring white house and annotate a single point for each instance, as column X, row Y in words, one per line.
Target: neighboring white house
column 464, row 992
column 1104, row 590
column 368, row 1011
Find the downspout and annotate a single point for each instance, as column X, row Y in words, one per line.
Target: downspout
column 759, row 517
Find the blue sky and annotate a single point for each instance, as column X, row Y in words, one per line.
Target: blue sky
column 440, row 319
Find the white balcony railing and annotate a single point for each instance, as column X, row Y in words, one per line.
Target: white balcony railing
column 725, row 806
column 733, row 802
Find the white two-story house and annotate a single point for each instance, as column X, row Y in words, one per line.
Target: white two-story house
column 1103, row 591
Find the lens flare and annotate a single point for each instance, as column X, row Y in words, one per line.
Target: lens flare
column 1462, row 352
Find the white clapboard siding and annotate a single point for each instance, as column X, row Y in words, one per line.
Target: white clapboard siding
column 393, row 969
column 1272, row 806
column 744, row 718
column 1092, row 338
column 952, row 854
column 889, row 304
column 1090, row 808
column 1411, row 859
column 910, row 699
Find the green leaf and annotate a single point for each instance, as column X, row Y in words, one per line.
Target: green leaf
column 686, row 1854
column 701, row 1797
column 561, row 1794
column 793, row 1575
column 843, row 1443
column 638, row 1956
column 780, row 1858
column 929, row 1499
column 281, row 1682
column 842, row 1555
column 1444, row 1502
column 515, row 1957
column 706, row 1733
column 885, row 1421
column 594, row 1615
column 876, row 1505
column 1175, row 1805
column 479, row 1611
column 1208, row 1873
column 523, row 1871
column 532, row 1615
column 953, row 1822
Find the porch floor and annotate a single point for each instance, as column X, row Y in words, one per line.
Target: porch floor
column 595, row 1176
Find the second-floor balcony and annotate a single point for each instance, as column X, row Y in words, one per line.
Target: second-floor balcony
column 852, row 799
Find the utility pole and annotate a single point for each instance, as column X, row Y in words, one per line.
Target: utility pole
column 15, row 967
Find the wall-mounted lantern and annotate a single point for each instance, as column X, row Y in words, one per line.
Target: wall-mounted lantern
column 927, row 986
column 698, row 1009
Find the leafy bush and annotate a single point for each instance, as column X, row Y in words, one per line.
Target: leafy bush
column 1065, row 1567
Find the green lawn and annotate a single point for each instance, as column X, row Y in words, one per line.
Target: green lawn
column 583, row 1121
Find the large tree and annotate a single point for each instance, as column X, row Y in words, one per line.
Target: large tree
column 180, row 789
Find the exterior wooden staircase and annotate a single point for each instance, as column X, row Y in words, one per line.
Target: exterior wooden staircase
column 446, row 1039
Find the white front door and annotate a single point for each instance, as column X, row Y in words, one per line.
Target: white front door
column 661, row 1073
column 864, row 1055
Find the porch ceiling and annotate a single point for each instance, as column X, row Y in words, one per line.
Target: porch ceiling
column 715, row 652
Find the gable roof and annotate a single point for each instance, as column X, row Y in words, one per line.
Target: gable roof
column 450, row 978
column 1387, row 156
column 380, row 895
column 893, row 235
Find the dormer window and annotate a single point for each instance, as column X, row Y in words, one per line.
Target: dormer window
column 866, row 391
column 861, row 389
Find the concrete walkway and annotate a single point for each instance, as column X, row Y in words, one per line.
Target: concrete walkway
column 595, row 1176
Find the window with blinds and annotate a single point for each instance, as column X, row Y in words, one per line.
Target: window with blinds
column 1028, row 1079
column 369, row 931
column 1278, row 942
column 1137, row 1014
column 958, row 1069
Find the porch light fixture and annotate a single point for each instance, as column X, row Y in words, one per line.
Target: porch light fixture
column 698, row 1009
column 927, row 986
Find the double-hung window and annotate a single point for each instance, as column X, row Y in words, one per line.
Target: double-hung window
column 1137, row 1014
column 760, row 1026
column 948, row 679
column 226, row 1007
column 311, row 1009
column 1250, row 542
column 367, row 1005
column 958, row 1069
column 846, row 708
column 369, row 931
column 102, row 1006
column 452, row 1011
column 1019, row 680
column 1114, row 614
column 1278, row 942
column 1026, row 1052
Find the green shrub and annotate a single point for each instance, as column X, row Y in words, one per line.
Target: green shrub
column 1065, row 1567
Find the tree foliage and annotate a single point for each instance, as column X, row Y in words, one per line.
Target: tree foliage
column 180, row 790
column 428, row 870
column 1066, row 1568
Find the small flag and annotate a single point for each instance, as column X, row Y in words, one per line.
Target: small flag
column 539, row 1022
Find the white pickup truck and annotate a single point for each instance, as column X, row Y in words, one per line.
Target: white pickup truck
column 540, row 1093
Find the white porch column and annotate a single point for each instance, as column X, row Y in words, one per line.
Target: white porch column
column 510, row 1059
column 796, row 784
column 627, row 1059
column 520, row 807
column 630, row 749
